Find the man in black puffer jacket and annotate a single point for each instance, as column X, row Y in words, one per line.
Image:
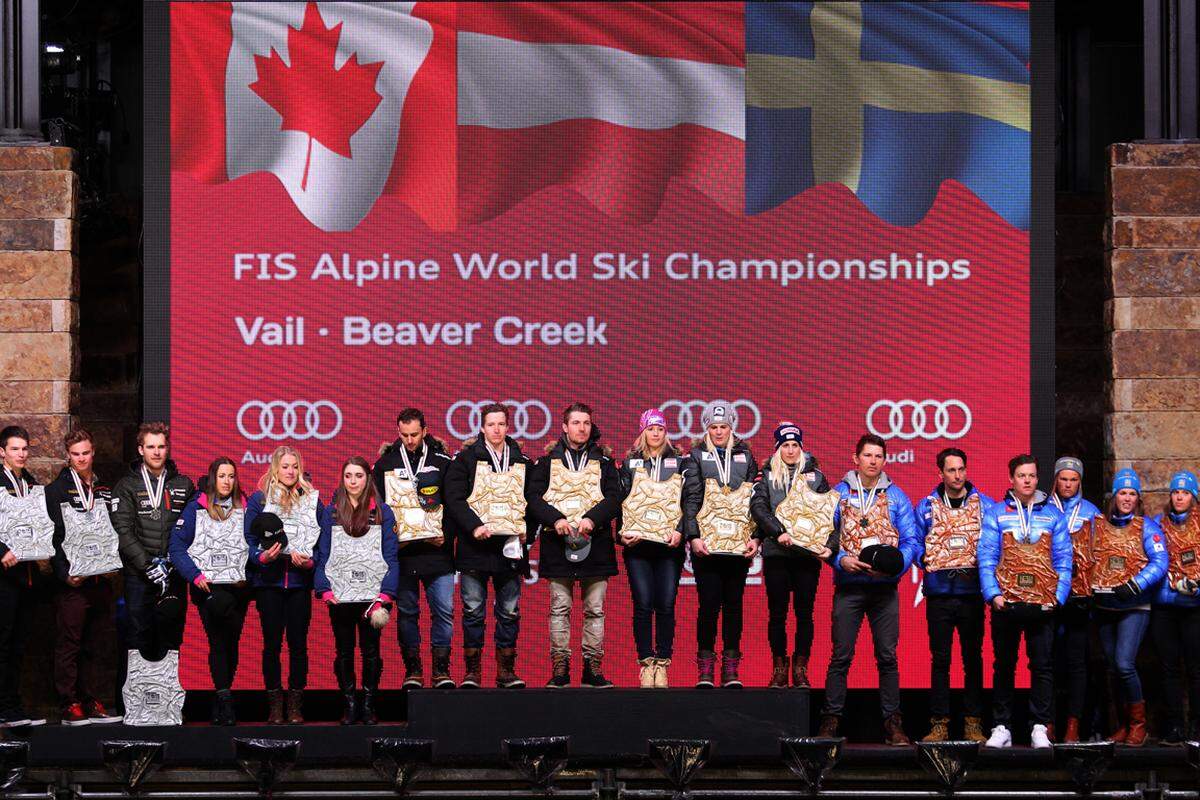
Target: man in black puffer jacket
column 482, row 553
column 575, row 494
column 147, row 501
column 416, row 457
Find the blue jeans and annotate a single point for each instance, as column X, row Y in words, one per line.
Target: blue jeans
column 473, row 587
column 439, row 594
column 654, row 582
column 1121, row 634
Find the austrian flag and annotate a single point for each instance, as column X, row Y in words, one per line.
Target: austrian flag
column 463, row 110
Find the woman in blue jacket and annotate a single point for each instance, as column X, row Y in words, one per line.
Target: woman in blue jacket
column 357, row 576
column 1124, row 540
column 1175, row 612
column 282, row 580
column 208, row 548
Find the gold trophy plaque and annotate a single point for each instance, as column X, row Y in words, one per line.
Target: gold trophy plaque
column 574, row 492
column 652, row 510
column 413, row 523
column 807, row 515
column 498, row 498
column 724, row 519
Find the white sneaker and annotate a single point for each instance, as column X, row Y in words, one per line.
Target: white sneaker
column 1002, row 738
column 1038, row 737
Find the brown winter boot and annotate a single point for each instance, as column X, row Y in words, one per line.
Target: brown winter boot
column 829, row 726
column 275, row 707
column 939, row 730
column 800, row 671
column 1120, row 734
column 441, row 668
column 414, row 670
column 473, row 662
column 973, row 729
column 295, row 706
column 779, row 673
column 1136, row 712
column 560, row 669
column 647, row 667
column 893, row 731
column 506, row 676
column 1072, row 736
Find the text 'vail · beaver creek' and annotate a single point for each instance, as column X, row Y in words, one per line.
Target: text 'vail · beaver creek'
column 347, row 269
column 293, row 331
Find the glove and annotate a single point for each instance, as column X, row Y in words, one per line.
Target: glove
column 379, row 612
column 1187, row 586
column 157, row 572
column 1127, row 590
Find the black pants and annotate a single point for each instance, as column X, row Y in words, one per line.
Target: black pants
column 1007, row 628
column 156, row 620
column 282, row 610
column 720, row 584
column 348, row 623
column 85, row 644
column 1072, row 639
column 1176, row 632
column 223, row 629
column 944, row 615
column 880, row 604
column 16, row 609
column 791, row 581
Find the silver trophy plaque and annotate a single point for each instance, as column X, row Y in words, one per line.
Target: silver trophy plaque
column 89, row 541
column 25, row 526
column 152, row 692
column 300, row 524
column 355, row 568
column 219, row 548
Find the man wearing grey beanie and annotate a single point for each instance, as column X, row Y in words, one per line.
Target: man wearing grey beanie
column 1071, row 640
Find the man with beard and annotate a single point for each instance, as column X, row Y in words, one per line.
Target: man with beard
column 575, row 493
column 408, row 476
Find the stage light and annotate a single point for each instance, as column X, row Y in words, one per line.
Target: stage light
column 14, row 757
column 810, row 758
column 948, row 762
column 266, row 761
column 400, row 760
column 132, row 762
column 539, row 759
column 679, row 760
column 1085, row 761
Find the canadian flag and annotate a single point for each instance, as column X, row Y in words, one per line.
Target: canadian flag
column 314, row 93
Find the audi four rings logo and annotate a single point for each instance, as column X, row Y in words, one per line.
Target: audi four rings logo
column 687, row 417
column 925, row 419
column 529, row 419
column 279, row 419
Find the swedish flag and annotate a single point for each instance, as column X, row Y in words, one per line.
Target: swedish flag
column 888, row 99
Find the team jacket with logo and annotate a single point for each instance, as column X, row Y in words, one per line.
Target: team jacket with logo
column 947, row 582
column 742, row 468
column 421, row 557
column 62, row 490
column 142, row 537
column 1180, row 533
column 601, row 561
column 1149, row 576
column 1045, row 520
column 900, row 514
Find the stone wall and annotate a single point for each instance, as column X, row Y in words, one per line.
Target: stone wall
column 1152, row 318
column 39, row 290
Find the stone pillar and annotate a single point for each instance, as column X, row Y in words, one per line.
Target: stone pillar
column 39, row 293
column 1153, row 316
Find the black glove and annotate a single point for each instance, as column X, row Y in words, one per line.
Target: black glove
column 1127, row 590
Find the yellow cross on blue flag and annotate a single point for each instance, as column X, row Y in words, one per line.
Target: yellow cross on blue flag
column 889, row 100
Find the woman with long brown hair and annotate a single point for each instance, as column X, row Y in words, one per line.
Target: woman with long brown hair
column 209, row 549
column 357, row 575
column 282, row 578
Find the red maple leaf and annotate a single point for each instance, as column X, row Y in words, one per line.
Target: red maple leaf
column 313, row 97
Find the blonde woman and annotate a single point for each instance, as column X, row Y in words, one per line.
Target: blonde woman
column 653, row 566
column 282, row 580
